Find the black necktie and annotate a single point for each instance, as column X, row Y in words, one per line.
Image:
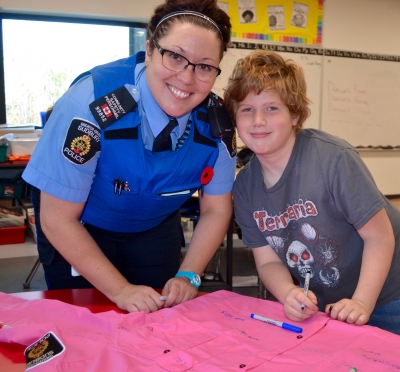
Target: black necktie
column 183, row 137
column 163, row 141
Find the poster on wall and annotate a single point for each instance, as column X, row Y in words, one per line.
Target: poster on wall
column 299, row 15
column 247, row 11
column 276, row 20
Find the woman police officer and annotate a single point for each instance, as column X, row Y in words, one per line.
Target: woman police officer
column 110, row 193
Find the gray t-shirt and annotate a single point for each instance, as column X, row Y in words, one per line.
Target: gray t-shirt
column 311, row 215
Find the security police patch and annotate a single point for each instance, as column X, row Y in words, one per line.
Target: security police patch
column 112, row 107
column 230, row 144
column 43, row 350
column 82, row 141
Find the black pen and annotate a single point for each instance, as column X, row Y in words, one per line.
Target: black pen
column 121, row 184
column 116, row 182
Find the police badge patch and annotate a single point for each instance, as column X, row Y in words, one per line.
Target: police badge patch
column 230, row 144
column 43, row 350
column 82, row 142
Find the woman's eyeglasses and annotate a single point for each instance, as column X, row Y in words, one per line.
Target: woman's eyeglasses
column 175, row 62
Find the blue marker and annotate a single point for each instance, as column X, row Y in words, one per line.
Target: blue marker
column 287, row 326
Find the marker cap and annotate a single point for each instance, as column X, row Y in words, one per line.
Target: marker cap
column 292, row 328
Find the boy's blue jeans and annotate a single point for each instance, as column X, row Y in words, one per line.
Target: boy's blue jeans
column 387, row 317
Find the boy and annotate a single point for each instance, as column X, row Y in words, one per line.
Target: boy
column 307, row 203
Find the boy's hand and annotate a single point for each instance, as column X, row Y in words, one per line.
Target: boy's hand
column 295, row 299
column 350, row 311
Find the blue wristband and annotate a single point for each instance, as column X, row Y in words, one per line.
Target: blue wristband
column 192, row 276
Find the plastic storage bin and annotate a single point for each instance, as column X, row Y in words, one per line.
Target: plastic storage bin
column 11, row 184
column 12, row 235
column 23, row 145
column 3, row 153
column 12, row 190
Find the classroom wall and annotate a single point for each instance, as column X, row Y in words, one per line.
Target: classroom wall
column 122, row 10
column 370, row 26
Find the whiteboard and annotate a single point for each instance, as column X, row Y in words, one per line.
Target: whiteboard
column 361, row 98
column 309, row 58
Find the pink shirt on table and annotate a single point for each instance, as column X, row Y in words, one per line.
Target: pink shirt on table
column 210, row 333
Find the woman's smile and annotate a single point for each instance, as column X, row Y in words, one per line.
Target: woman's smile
column 177, row 92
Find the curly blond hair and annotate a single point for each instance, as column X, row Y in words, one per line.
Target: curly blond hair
column 266, row 70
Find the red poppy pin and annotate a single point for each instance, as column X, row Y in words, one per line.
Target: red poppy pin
column 207, row 175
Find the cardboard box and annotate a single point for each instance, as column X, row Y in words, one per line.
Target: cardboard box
column 8, row 203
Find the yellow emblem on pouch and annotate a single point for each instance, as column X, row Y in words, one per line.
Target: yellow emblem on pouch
column 234, row 141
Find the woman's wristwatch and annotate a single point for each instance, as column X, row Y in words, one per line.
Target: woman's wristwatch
column 193, row 277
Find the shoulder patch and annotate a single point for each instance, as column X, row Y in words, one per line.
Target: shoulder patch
column 82, row 141
column 112, row 107
column 212, row 100
column 230, row 144
column 43, row 350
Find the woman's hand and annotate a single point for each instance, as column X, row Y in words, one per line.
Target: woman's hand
column 135, row 298
column 350, row 311
column 292, row 305
column 178, row 290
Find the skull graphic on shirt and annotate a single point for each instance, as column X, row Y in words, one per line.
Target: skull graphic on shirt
column 298, row 255
column 310, row 251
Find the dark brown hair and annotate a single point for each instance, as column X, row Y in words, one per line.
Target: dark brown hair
column 266, row 70
column 207, row 7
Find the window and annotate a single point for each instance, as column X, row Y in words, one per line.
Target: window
column 42, row 58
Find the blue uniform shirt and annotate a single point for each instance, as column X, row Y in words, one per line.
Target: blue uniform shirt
column 52, row 173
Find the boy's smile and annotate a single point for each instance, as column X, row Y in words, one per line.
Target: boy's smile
column 265, row 124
